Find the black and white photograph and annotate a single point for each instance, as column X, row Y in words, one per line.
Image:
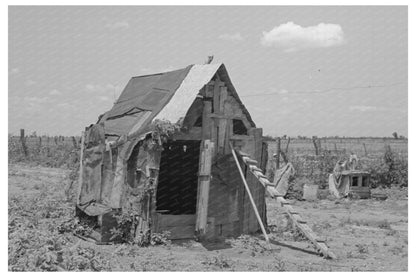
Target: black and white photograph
column 207, row 138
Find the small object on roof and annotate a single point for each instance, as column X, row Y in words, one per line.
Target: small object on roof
column 210, row 59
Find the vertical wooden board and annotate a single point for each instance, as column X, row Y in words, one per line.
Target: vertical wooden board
column 241, row 198
column 224, row 194
column 228, row 131
column 223, row 97
column 222, row 130
column 117, row 189
column 253, row 147
column 203, row 186
column 216, row 96
column 214, row 135
column 206, row 120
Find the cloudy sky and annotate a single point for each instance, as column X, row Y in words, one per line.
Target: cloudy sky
column 299, row 70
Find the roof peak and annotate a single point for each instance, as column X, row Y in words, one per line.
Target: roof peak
column 176, row 69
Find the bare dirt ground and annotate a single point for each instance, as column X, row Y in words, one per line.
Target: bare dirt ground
column 366, row 235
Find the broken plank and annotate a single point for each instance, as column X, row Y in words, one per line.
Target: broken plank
column 258, row 174
column 243, row 154
column 255, row 168
column 299, row 219
column 266, row 182
column 249, row 161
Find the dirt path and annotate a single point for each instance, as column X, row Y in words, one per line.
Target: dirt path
column 364, row 234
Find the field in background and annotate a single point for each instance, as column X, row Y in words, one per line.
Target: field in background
column 58, row 151
column 386, row 159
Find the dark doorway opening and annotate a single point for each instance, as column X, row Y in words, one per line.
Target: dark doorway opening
column 178, row 177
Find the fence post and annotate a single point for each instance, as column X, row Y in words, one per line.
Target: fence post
column 278, row 153
column 315, row 141
column 23, row 141
column 287, row 146
column 74, row 142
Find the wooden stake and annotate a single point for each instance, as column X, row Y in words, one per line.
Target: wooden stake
column 249, row 194
column 23, row 141
column 287, row 146
column 74, row 142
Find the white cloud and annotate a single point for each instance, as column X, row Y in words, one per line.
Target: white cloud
column 55, row 92
column 231, row 37
column 283, row 91
column 118, row 25
column 363, row 108
column 292, row 37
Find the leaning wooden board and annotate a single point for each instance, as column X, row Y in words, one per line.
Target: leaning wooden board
column 300, row 223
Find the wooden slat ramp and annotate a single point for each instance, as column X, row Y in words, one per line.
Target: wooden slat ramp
column 298, row 221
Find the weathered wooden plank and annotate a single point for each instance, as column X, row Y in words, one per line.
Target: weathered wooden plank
column 258, row 174
column 299, row 219
column 206, row 121
column 223, row 97
column 216, row 96
column 222, row 129
column 242, row 154
column 249, row 161
column 170, row 220
column 266, row 182
column 203, row 187
column 249, row 194
column 255, row 168
column 181, row 232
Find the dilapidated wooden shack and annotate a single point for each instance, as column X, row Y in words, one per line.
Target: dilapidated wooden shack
column 162, row 154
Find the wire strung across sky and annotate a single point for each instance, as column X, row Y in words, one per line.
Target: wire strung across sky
column 325, row 90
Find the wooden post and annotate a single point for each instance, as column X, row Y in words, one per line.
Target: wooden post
column 287, row 146
column 278, row 153
column 315, row 144
column 74, row 142
column 365, row 149
column 249, row 194
column 23, row 141
column 203, row 187
column 81, row 155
